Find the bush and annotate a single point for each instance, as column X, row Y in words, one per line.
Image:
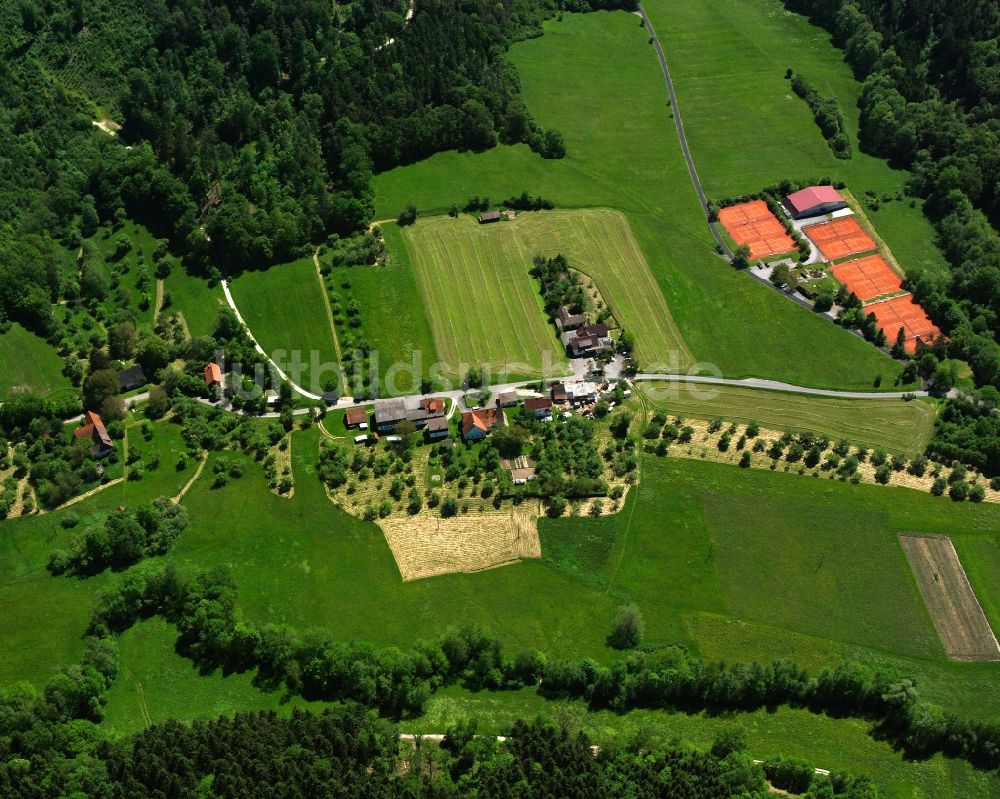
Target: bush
column 977, row 493
column 70, row 520
column 626, row 632
column 958, row 491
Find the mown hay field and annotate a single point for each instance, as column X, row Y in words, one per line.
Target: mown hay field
column 485, row 308
column 898, row 426
column 283, row 307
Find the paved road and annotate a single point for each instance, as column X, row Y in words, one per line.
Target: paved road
column 776, row 385
column 680, row 132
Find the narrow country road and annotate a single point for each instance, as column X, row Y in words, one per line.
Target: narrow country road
column 777, row 385
column 679, row 124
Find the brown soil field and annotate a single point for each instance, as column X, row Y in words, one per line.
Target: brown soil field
column 957, row 615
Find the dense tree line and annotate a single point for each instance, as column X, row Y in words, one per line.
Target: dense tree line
column 968, row 430
column 397, row 683
column 827, row 113
column 558, row 284
column 347, row 751
column 930, row 103
column 123, row 538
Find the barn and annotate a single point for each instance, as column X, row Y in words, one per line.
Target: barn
column 814, row 201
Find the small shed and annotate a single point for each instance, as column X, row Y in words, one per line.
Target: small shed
column 355, row 416
column 489, row 216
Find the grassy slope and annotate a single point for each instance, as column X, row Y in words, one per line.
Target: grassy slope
column 29, row 360
column 693, row 551
column 483, row 306
column 899, row 426
column 194, row 300
column 392, row 315
column 745, row 126
column 283, row 307
column 595, row 79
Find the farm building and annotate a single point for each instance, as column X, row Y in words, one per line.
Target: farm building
column 558, row 393
column 92, row 429
column 391, row 412
column 437, row 428
column 131, row 378
column 355, row 416
column 566, row 320
column 541, row 407
column 580, row 391
column 489, row 216
column 213, row 375
column 814, row 201
column 522, row 469
column 587, row 341
column 477, row 424
column 507, row 399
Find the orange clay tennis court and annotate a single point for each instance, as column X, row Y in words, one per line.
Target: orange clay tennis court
column 840, row 238
column 904, row 312
column 867, row 277
column 753, row 224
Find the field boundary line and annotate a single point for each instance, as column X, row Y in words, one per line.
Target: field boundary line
column 189, row 483
column 88, row 494
column 329, row 318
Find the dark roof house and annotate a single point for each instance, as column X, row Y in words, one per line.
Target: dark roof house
column 507, row 399
column 814, row 201
column 437, row 428
column 132, row 377
column 489, row 216
column 539, row 406
column 391, row 412
column 569, row 321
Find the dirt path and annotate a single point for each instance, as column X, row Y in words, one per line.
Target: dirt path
column 329, row 316
column 88, row 494
column 158, row 305
column 189, row 483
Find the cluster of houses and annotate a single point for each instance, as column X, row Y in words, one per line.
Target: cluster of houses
column 580, row 339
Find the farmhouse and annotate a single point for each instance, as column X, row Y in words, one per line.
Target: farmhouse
column 213, row 375
column 541, row 407
column 587, row 341
column 565, row 320
column 92, row 429
column 580, row 391
column 437, row 428
column 477, row 424
column 507, row 399
column 814, row 201
column 391, row 412
column 131, row 378
column 489, row 216
column 355, row 416
column 558, row 393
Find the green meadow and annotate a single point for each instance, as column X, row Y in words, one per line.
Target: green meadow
column 283, row 307
column 897, row 425
column 27, row 360
column 595, row 78
column 194, row 299
column 734, row 564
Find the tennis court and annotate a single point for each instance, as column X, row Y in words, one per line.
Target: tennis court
column 904, row 312
column 753, row 224
column 840, row 238
column 867, row 277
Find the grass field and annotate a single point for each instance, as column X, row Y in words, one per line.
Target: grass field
column 484, row 308
column 461, row 265
column 283, row 307
column 746, row 127
column 392, row 313
column 194, row 300
column 29, row 360
column 595, row 78
column 734, row 564
column 899, row 426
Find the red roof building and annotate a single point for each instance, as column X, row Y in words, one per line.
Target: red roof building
column 814, row 201
column 213, row 375
column 355, row 415
column 92, row 429
column 478, row 423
